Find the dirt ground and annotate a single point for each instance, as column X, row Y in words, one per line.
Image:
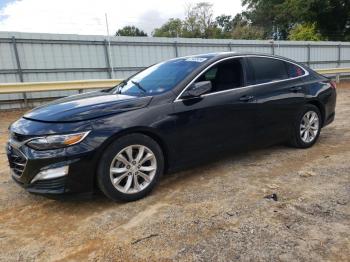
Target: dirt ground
column 215, row 212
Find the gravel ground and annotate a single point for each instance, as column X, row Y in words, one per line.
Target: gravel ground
column 215, row 212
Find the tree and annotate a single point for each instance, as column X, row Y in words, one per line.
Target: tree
column 225, row 25
column 225, row 22
column 172, row 28
column 199, row 21
column 191, row 28
column 204, row 13
column 330, row 17
column 247, row 32
column 305, row 32
column 271, row 16
column 130, row 31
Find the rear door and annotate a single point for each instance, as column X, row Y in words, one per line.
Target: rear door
column 279, row 95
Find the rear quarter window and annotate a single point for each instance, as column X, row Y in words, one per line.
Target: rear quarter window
column 294, row 70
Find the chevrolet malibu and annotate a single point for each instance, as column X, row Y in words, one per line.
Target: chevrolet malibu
column 170, row 115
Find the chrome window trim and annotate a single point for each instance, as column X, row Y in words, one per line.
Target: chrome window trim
column 306, row 73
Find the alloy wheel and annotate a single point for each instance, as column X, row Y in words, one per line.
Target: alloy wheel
column 133, row 169
column 309, row 126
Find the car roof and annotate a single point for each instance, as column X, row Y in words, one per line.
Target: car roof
column 220, row 55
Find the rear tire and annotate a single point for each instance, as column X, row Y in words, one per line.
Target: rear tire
column 130, row 168
column 307, row 127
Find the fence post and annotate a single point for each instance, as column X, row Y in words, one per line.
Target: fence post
column 108, row 62
column 308, row 54
column 272, row 47
column 230, row 47
column 339, row 55
column 176, row 49
column 19, row 69
column 337, row 78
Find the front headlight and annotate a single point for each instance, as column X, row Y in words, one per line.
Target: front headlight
column 56, row 141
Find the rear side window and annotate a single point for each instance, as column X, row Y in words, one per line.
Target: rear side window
column 263, row 70
column 294, row 70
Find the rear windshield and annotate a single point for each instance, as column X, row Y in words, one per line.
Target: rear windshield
column 161, row 77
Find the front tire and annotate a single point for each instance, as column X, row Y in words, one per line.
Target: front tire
column 130, row 168
column 307, row 127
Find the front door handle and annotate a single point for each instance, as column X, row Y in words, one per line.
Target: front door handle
column 296, row 89
column 246, row 98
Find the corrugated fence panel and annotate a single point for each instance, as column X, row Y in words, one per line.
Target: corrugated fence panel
column 7, row 56
column 122, row 74
column 42, row 56
column 324, row 53
column 345, row 65
column 324, row 66
column 46, row 77
column 9, row 78
column 295, row 53
column 345, row 53
column 59, row 57
column 194, row 50
column 140, row 56
column 253, row 49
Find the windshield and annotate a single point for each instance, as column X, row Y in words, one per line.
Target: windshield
column 159, row 78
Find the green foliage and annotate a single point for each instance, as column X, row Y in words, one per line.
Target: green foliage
column 225, row 23
column 198, row 23
column 330, row 17
column 172, row 28
column 130, row 31
column 263, row 19
column 305, row 32
column 247, row 32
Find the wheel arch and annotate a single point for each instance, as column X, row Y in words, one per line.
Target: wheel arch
column 320, row 107
column 137, row 130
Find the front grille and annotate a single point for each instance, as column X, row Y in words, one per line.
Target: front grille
column 17, row 161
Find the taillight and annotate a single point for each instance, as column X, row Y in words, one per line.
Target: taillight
column 333, row 84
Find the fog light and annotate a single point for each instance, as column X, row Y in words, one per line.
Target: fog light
column 51, row 173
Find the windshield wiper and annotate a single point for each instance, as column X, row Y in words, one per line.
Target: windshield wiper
column 120, row 86
column 139, row 86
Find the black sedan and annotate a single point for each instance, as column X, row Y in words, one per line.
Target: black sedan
column 168, row 116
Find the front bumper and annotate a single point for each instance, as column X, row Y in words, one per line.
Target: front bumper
column 25, row 163
column 56, row 186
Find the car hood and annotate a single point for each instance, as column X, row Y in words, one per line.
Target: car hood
column 86, row 106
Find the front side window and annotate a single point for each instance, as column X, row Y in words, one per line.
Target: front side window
column 161, row 77
column 264, row 70
column 225, row 75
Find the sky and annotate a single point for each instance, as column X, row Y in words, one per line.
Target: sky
column 88, row 16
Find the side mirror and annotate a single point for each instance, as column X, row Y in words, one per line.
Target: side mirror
column 198, row 89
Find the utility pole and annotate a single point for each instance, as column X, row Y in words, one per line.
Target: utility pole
column 109, row 47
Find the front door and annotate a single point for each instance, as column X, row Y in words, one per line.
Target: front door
column 222, row 119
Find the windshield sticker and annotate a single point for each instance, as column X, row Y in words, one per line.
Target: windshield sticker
column 196, row 59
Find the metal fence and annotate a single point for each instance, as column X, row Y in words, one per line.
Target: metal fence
column 32, row 57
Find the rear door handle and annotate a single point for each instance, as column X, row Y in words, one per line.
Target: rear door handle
column 246, row 98
column 296, row 89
